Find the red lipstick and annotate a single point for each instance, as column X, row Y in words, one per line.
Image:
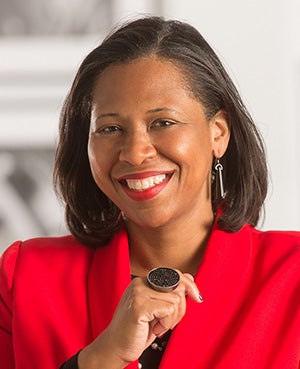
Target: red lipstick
column 139, row 190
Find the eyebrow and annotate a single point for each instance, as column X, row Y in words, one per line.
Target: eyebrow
column 156, row 110
column 107, row 115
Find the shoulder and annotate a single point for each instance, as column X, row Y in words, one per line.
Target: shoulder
column 41, row 246
column 263, row 240
column 46, row 249
column 267, row 250
column 278, row 239
column 39, row 252
column 276, row 251
column 53, row 254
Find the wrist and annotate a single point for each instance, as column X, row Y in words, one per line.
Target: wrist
column 100, row 354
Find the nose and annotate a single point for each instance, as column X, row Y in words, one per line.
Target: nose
column 137, row 147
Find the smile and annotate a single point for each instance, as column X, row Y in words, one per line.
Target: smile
column 144, row 186
column 146, row 183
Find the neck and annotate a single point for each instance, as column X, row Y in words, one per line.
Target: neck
column 179, row 246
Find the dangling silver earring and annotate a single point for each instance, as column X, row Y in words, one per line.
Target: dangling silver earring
column 219, row 169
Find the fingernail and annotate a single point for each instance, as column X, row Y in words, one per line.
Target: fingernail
column 200, row 297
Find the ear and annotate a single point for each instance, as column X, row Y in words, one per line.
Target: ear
column 220, row 133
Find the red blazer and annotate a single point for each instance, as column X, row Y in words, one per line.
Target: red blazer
column 57, row 295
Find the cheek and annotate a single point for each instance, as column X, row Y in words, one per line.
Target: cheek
column 193, row 149
column 98, row 163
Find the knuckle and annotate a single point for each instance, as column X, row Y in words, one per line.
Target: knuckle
column 172, row 309
column 189, row 276
column 136, row 287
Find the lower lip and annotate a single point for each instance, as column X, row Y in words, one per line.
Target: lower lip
column 147, row 194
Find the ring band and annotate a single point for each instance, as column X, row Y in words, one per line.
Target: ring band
column 163, row 279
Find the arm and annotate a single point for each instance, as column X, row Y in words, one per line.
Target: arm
column 7, row 268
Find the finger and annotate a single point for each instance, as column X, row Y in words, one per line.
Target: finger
column 171, row 320
column 191, row 289
column 159, row 330
column 165, row 323
column 188, row 275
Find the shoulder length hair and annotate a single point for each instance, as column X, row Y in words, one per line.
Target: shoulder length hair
column 90, row 214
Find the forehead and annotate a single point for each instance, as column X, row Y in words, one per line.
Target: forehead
column 147, row 72
column 144, row 83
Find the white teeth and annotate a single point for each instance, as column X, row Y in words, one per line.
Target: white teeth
column 144, row 184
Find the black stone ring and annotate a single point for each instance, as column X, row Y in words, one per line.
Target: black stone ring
column 163, row 279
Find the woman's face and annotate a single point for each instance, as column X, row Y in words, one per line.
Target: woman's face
column 150, row 146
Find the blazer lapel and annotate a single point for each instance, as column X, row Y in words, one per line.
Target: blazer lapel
column 222, row 279
column 109, row 277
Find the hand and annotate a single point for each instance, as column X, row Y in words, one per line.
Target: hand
column 141, row 315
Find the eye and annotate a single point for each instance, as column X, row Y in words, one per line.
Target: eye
column 109, row 129
column 163, row 123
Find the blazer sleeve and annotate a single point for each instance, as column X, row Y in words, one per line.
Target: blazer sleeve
column 7, row 269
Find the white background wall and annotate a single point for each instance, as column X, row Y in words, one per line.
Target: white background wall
column 259, row 43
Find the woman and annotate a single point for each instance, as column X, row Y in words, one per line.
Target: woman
column 159, row 165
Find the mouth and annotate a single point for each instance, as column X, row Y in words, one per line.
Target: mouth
column 144, row 186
